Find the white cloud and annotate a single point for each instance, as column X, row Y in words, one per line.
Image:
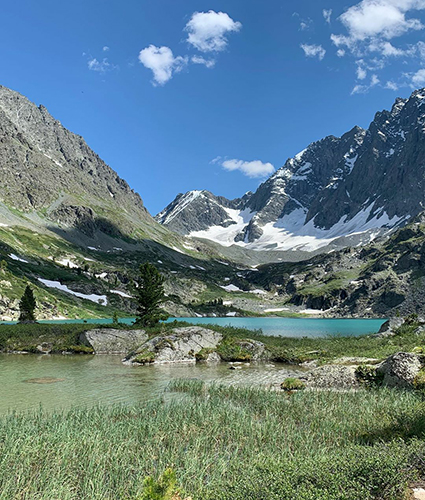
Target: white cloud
column 381, row 18
column 209, row 63
column 313, row 51
column 374, row 80
column 371, row 26
column 418, row 78
column 362, row 89
column 207, row 31
column 162, row 63
column 386, row 49
column 361, row 71
column 420, row 47
column 105, row 48
column 327, row 13
column 100, row 66
column 249, row 168
column 390, row 85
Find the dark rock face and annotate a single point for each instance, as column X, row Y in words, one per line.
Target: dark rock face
column 374, row 176
column 197, row 211
column 44, row 167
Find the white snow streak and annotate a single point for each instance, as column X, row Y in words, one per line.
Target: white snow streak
column 64, row 288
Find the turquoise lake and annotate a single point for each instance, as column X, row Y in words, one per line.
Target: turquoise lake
column 60, row 382
column 285, row 327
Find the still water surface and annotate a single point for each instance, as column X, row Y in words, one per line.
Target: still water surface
column 60, row 382
column 286, row 327
column 56, row 381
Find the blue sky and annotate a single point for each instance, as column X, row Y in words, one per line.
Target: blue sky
column 179, row 95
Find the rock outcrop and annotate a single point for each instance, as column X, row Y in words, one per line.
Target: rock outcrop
column 111, row 341
column 388, row 328
column 400, row 369
column 181, row 345
column 332, row 377
column 364, row 182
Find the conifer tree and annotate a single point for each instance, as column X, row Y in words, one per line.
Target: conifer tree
column 27, row 306
column 150, row 295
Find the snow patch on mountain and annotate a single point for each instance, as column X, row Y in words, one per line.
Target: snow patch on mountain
column 185, row 200
column 226, row 235
column 100, row 299
column 291, row 233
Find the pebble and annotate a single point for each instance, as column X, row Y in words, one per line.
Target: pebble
column 419, row 493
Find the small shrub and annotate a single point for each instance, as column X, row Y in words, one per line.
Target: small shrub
column 144, row 357
column 368, row 375
column 292, row 384
column 165, row 488
column 230, row 350
column 419, row 381
column 203, row 354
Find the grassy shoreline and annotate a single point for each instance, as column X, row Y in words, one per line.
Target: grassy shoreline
column 66, row 337
column 223, row 443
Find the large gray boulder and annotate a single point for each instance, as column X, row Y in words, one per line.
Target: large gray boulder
column 179, row 346
column 332, row 377
column 388, row 328
column 254, row 347
column 400, row 369
column 111, row 341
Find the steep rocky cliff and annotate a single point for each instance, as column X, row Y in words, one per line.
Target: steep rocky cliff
column 350, row 188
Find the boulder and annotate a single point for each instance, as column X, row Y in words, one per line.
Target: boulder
column 388, row 328
column 179, row 346
column 332, row 377
column 400, row 369
column 213, row 357
column 254, row 347
column 111, row 341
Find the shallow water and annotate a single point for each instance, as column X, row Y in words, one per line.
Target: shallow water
column 59, row 381
column 28, row 381
column 286, row 327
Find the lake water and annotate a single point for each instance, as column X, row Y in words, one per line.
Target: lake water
column 60, row 382
column 286, row 327
column 57, row 381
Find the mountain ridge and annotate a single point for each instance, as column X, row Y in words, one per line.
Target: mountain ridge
column 358, row 186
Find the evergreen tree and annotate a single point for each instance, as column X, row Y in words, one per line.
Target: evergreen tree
column 27, row 306
column 150, row 295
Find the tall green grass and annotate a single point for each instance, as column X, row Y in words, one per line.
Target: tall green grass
column 223, row 444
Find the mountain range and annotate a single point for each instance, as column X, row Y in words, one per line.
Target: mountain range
column 339, row 191
column 339, row 228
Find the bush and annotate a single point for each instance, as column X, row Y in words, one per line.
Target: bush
column 165, row 488
column 230, row 350
column 144, row 357
column 203, row 354
column 419, row 381
column 368, row 375
column 292, row 384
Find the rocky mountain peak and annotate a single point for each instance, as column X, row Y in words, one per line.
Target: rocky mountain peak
column 364, row 182
column 49, row 171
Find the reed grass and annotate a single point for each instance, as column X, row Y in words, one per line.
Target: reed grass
column 223, row 443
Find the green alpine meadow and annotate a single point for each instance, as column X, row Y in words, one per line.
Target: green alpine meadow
column 212, row 250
